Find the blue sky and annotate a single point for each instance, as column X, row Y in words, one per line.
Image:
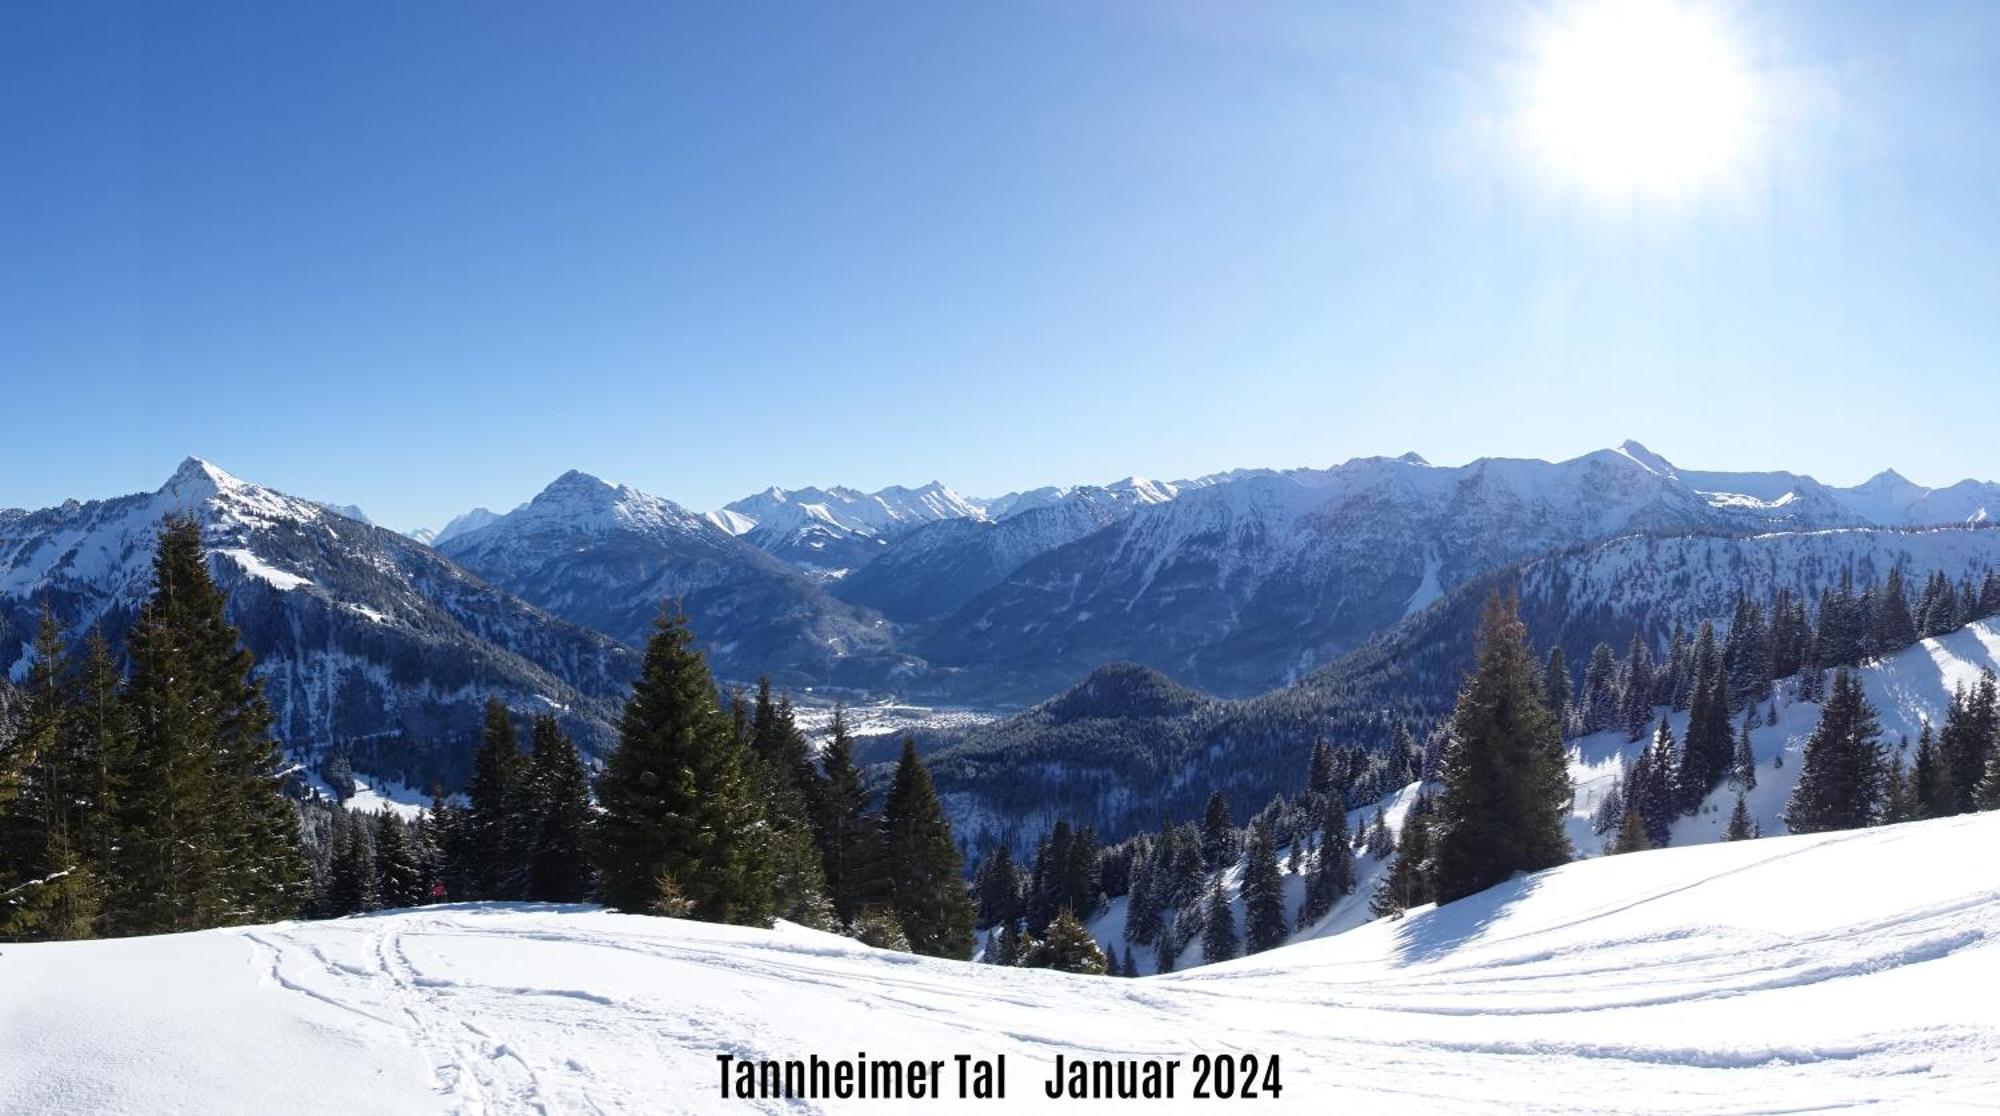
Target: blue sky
column 425, row 256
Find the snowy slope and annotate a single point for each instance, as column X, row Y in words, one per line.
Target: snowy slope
column 835, row 529
column 1752, row 977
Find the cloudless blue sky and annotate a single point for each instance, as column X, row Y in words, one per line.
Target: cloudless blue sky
column 426, row 256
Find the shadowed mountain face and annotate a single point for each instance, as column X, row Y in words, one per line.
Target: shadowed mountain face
column 362, row 636
column 608, row 557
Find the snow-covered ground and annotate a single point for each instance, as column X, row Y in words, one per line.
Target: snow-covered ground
column 1841, row 970
column 884, row 719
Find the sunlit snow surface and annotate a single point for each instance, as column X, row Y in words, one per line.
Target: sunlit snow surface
column 1787, row 974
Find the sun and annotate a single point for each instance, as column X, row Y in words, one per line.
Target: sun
column 1639, row 98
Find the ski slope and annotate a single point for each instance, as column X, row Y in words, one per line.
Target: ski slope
column 1788, row 974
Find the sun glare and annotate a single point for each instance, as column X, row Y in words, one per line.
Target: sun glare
column 1633, row 98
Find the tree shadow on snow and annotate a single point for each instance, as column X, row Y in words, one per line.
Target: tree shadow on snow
column 1438, row 932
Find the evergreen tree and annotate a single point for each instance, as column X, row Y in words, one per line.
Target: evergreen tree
column 1068, row 948
column 1332, row 874
column 929, row 898
column 1506, row 778
column 557, row 792
column 1972, row 724
column 676, row 813
column 1264, row 924
column 353, row 888
column 1600, row 690
column 1840, row 778
column 1411, row 878
column 1168, row 952
column 1218, row 834
column 1930, row 781
column 1651, row 791
column 1743, row 764
column 497, row 811
column 1740, row 828
column 849, row 844
column 1381, row 840
column 399, row 877
column 206, row 835
column 1705, row 753
column 997, row 884
column 1632, row 836
column 1893, row 628
column 1558, row 688
column 1131, row 965
column 1218, row 932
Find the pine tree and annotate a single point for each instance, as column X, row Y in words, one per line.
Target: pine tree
column 497, row 808
column 1411, row 878
column 1651, row 791
column 1264, row 924
column 1506, row 778
column 1600, row 690
column 929, row 898
column 1558, row 688
column 1632, row 836
column 1972, row 724
column 1893, row 628
column 1218, row 834
column 353, row 888
column 1068, row 948
column 557, row 791
column 1131, row 969
column 1840, row 778
column 675, row 809
column 1332, row 874
column 1705, row 753
column 1743, row 764
column 1930, row 781
column 1218, row 932
column 1740, row 828
column 206, row 834
column 399, row 877
column 997, row 885
column 1381, row 840
column 849, row 846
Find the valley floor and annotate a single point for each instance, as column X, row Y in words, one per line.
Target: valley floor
column 1790, row 974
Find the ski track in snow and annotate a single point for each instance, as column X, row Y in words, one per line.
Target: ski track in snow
column 1826, row 972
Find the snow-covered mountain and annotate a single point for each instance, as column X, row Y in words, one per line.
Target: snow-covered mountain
column 831, row 530
column 1887, row 499
column 1244, row 583
column 609, row 556
column 1819, row 973
column 360, row 634
column 937, row 568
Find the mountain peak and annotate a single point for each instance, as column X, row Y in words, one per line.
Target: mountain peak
column 1413, row 458
column 1631, row 448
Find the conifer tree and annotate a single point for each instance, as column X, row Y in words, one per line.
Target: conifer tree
column 1506, row 778
column 1840, row 777
column 1218, row 931
column 1332, row 874
column 557, row 791
column 497, row 810
column 1743, row 764
column 1558, row 688
column 675, row 810
column 1131, row 969
column 1706, row 751
column 1651, row 791
column 400, row 877
column 1168, row 952
column 1264, row 924
column 353, row 887
column 1740, row 828
column 1893, row 627
column 1381, row 839
column 1218, row 834
column 1411, row 878
column 849, row 846
column 1971, row 726
column 1930, row 781
column 206, row 834
column 1631, row 836
column 1068, row 948
column 929, row 898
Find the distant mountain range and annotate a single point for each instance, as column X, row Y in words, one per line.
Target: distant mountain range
column 1231, row 584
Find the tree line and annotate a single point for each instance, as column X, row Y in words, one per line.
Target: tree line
column 150, row 796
